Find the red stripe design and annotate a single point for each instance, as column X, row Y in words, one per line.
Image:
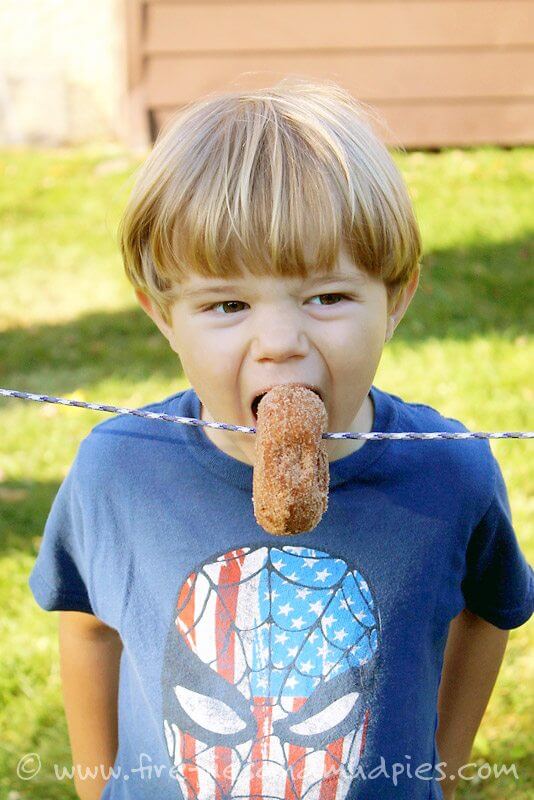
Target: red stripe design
column 260, row 749
column 364, row 732
column 225, row 613
column 332, row 760
column 188, row 742
column 296, row 752
column 189, row 767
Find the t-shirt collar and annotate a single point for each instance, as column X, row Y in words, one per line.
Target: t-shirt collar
column 227, row 468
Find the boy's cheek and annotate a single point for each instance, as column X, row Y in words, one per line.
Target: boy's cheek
column 208, row 373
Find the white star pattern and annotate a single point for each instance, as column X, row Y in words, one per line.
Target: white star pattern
column 340, row 634
column 319, row 612
column 292, row 681
column 285, row 609
column 281, row 638
column 323, row 650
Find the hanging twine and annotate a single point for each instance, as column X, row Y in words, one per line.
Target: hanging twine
column 43, row 398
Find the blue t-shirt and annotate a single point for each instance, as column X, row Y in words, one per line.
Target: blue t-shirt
column 287, row 666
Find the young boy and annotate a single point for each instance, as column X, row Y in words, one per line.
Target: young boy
column 297, row 666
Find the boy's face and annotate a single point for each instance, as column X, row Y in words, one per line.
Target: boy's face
column 322, row 331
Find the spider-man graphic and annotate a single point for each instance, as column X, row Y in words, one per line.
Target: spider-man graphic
column 269, row 666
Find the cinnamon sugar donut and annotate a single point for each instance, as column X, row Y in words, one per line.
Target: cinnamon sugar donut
column 291, row 472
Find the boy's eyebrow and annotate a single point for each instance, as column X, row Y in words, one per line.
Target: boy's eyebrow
column 215, row 289
column 230, row 287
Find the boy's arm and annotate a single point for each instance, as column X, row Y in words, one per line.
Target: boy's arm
column 473, row 656
column 89, row 659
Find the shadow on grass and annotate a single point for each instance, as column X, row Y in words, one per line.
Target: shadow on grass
column 125, row 344
column 25, row 506
column 462, row 293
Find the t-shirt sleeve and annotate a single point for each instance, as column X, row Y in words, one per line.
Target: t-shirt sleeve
column 498, row 584
column 58, row 579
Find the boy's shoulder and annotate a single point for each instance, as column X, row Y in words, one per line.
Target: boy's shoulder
column 421, row 417
column 468, row 466
column 112, row 443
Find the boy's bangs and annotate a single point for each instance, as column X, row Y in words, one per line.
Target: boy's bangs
column 280, row 216
column 297, row 238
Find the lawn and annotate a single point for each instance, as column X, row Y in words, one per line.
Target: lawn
column 70, row 326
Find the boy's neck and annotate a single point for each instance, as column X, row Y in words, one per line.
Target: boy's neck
column 336, row 448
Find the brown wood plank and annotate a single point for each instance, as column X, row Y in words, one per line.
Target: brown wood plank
column 446, row 125
column 419, row 76
column 189, row 27
column 461, row 124
column 134, row 116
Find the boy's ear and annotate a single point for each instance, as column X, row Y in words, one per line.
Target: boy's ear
column 153, row 312
column 401, row 304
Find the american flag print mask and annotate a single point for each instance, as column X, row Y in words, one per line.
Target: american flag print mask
column 268, row 670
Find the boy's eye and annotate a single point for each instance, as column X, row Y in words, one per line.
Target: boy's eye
column 224, row 303
column 330, row 295
column 239, row 302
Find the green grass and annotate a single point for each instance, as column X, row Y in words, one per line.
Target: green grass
column 70, row 326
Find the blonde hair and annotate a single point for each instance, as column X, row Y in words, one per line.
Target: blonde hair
column 269, row 182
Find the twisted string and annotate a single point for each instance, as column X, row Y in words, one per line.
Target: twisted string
column 43, row 398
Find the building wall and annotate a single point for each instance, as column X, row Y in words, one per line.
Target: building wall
column 62, row 71
column 438, row 72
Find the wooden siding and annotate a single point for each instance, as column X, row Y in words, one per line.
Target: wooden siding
column 438, row 72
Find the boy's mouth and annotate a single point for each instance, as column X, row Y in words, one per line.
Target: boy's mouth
column 259, row 397
column 255, row 404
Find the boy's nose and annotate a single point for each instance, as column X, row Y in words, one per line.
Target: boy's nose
column 279, row 344
column 279, row 340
